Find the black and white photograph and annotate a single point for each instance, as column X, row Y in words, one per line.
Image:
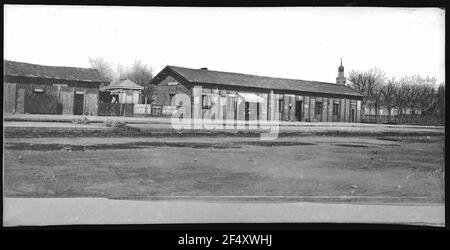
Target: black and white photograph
column 152, row 115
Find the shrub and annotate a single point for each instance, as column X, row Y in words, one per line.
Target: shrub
column 107, row 123
column 126, row 130
column 115, row 123
column 118, row 124
column 83, row 120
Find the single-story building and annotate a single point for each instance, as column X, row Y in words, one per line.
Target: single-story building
column 38, row 89
column 125, row 91
column 238, row 96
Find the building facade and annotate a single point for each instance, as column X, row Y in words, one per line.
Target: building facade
column 203, row 93
column 38, row 89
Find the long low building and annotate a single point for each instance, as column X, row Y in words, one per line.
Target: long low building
column 38, row 89
column 203, row 93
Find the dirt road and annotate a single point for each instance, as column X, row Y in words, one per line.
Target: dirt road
column 350, row 169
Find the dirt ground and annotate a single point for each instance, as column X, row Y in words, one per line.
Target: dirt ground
column 388, row 169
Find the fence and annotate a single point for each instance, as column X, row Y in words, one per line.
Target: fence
column 142, row 109
column 122, row 109
column 115, row 109
column 428, row 120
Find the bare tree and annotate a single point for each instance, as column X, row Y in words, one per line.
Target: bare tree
column 388, row 93
column 148, row 93
column 376, row 99
column 139, row 73
column 441, row 102
column 401, row 95
column 368, row 83
column 103, row 67
column 120, row 71
column 414, row 98
column 359, row 82
column 426, row 99
column 421, row 94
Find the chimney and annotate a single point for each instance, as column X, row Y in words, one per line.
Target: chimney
column 204, row 68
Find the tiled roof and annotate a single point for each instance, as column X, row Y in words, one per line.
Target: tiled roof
column 12, row 68
column 124, row 84
column 264, row 82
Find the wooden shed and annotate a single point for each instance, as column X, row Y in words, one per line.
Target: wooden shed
column 125, row 91
column 38, row 89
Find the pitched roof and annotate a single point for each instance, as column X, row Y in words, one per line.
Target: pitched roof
column 12, row 68
column 124, row 84
column 264, row 82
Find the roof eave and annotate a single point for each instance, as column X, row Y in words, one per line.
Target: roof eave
column 168, row 69
column 295, row 90
column 58, row 78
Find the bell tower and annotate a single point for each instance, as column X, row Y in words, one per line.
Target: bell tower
column 341, row 78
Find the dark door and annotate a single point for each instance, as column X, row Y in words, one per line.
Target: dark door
column 257, row 111
column 352, row 115
column 336, row 112
column 247, row 111
column 40, row 103
column 78, row 104
column 236, row 107
column 298, row 110
column 280, row 109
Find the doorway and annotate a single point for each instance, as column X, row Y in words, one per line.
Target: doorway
column 247, row 111
column 78, row 104
column 40, row 102
column 352, row 115
column 280, row 109
column 298, row 110
column 257, row 111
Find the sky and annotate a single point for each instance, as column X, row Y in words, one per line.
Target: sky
column 298, row 43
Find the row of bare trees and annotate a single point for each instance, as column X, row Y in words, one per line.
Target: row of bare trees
column 138, row 72
column 420, row 95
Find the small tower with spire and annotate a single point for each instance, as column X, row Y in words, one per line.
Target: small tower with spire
column 341, row 78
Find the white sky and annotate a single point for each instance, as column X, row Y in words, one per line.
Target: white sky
column 299, row 43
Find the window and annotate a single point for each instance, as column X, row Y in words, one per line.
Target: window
column 206, row 101
column 172, row 99
column 319, row 108
column 335, row 108
column 280, row 105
